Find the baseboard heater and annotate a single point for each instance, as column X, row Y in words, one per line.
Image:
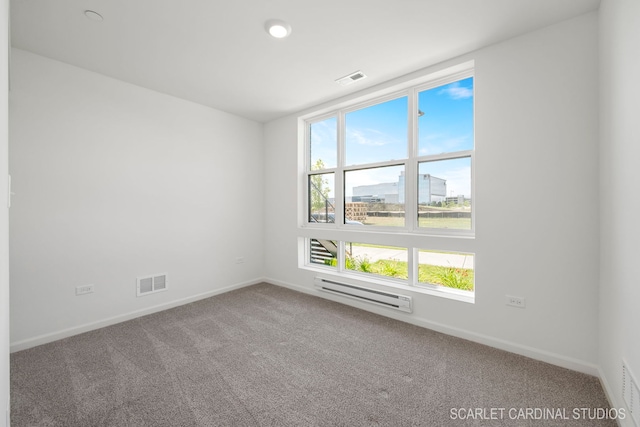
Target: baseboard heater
column 386, row 299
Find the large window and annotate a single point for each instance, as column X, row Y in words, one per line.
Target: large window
column 398, row 165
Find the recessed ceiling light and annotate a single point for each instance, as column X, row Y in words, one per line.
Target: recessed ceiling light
column 277, row 28
column 94, row 16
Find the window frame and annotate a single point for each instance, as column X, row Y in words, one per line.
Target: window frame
column 411, row 235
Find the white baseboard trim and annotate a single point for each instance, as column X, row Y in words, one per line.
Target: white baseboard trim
column 523, row 350
column 65, row 333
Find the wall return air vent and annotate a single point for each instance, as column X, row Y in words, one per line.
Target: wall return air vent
column 151, row 284
column 351, row 78
column 631, row 394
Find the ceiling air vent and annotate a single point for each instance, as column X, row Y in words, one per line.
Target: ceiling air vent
column 151, row 284
column 351, row 78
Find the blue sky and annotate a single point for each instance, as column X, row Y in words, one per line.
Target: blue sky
column 447, row 123
column 379, row 133
column 324, row 142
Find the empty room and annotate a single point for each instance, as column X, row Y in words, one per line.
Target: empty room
column 289, row 213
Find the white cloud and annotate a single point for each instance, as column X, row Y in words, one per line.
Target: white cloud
column 455, row 91
column 455, row 142
column 323, row 133
column 368, row 137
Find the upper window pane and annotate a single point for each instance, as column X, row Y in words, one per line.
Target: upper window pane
column 445, row 118
column 377, row 133
column 324, row 144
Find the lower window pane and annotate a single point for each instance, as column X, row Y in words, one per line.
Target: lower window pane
column 387, row 261
column 323, row 252
column 444, row 194
column 375, row 196
column 451, row 269
column 321, row 198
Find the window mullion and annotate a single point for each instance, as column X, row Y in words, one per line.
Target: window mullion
column 339, row 176
column 307, row 167
column 412, row 266
column 445, row 156
column 410, row 168
column 341, row 256
column 375, row 165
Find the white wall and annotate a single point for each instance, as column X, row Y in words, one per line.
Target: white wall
column 4, row 216
column 620, row 176
column 536, row 201
column 112, row 182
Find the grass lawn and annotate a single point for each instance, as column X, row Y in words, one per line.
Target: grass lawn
column 457, row 278
column 387, row 221
column 457, row 223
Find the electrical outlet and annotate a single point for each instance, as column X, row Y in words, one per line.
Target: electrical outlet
column 85, row 289
column 240, row 260
column 515, row 301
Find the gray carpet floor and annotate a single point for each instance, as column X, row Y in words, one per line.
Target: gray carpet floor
column 268, row 356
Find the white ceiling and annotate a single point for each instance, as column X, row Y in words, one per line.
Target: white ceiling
column 217, row 53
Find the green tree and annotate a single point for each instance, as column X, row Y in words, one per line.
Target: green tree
column 319, row 187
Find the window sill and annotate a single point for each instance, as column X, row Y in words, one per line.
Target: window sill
column 389, row 231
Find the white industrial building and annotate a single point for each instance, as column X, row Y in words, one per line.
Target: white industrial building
column 430, row 189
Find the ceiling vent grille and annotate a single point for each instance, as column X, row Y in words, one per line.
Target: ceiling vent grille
column 351, row 78
column 151, row 284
